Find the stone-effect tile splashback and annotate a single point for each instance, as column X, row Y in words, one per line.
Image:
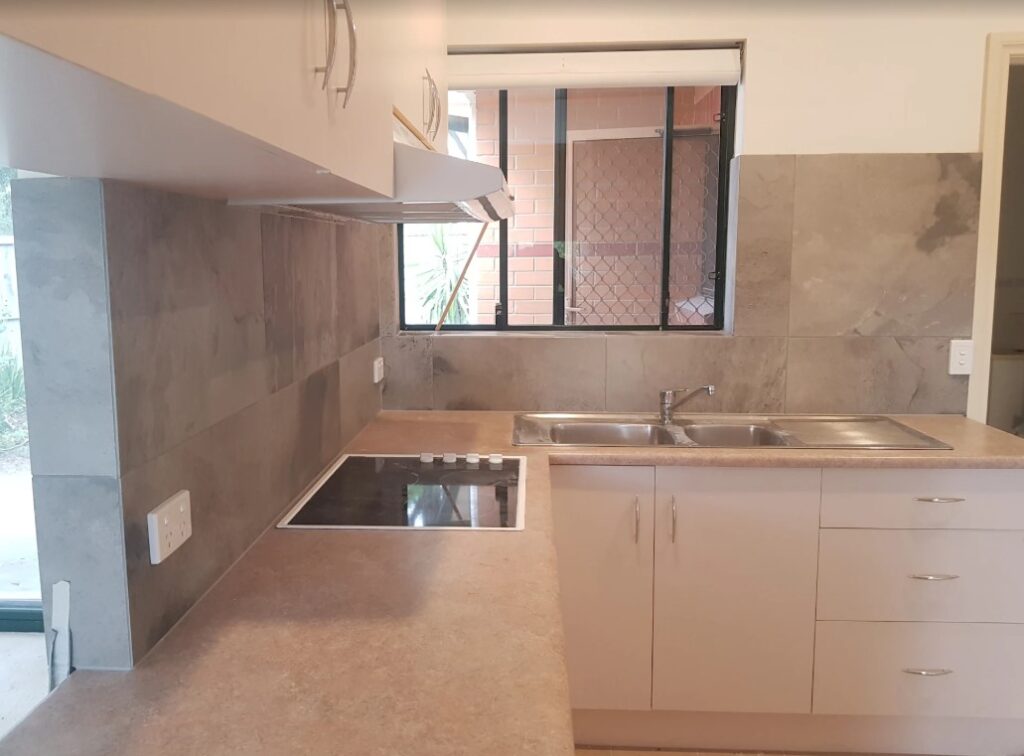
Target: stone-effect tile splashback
column 852, row 272
column 231, row 351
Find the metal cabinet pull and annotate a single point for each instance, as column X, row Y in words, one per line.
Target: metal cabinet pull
column 346, row 5
column 428, row 122
column 673, row 519
column 925, row 672
column 937, row 576
column 331, row 17
column 636, row 519
column 939, row 499
column 437, row 109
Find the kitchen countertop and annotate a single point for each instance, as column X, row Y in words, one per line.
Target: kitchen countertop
column 377, row 642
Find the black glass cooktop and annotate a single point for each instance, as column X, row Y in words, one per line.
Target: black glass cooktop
column 406, row 492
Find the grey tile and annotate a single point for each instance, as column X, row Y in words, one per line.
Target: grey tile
column 301, row 289
column 550, row 372
column 186, row 298
column 884, row 245
column 409, row 378
column 387, row 273
column 879, row 374
column 241, row 474
column 65, row 325
column 80, row 538
column 749, row 373
column 360, row 397
column 360, row 248
column 764, row 245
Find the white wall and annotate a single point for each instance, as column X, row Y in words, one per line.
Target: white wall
column 821, row 76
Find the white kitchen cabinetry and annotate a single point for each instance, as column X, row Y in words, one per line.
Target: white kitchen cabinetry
column 249, row 67
column 734, row 589
column 604, row 527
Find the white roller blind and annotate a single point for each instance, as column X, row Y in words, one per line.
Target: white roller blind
column 663, row 68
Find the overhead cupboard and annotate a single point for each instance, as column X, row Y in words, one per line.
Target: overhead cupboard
column 863, row 592
column 310, row 81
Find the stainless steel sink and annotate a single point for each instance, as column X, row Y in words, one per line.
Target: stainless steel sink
column 725, row 435
column 610, row 434
column 721, row 431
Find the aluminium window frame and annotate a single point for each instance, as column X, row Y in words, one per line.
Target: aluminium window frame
column 727, row 144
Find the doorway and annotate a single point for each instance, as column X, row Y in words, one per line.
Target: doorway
column 1006, row 382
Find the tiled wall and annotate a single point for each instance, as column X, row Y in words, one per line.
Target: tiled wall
column 852, row 272
column 203, row 347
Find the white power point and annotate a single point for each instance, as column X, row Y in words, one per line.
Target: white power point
column 961, row 356
column 170, row 525
column 378, row 370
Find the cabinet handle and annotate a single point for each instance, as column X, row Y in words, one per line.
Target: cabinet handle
column 937, row 576
column 331, row 16
column 350, row 22
column 925, row 672
column 939, row 499
column 673, row 519
column 437, row 107
column 636, row 519
column 428, row 123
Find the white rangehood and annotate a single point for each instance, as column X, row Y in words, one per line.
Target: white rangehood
column 430, row 187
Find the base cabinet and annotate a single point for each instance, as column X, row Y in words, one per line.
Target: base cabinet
column 794, row 610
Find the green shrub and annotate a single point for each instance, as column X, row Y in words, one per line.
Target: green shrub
column 13, row 421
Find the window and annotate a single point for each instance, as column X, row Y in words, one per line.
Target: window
column 620, row 199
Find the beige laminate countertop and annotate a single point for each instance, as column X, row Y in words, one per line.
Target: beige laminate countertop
column 393, row 643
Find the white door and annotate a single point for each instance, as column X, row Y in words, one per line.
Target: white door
column 604, row 533
column 734, row 589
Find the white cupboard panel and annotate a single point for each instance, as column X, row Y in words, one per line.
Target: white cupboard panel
column 921, row 575
column 919, row 669
column 604, row 532
column 992, row 499
column 735, row 590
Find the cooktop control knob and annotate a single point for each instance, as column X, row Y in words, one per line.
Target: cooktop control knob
column 449, row 458
column 426, row 457
column 472, row 459
column 495, row 459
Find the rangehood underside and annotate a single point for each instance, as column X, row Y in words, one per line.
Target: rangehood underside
column 430, row 187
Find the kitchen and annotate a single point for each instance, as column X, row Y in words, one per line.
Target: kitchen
column 231, row 283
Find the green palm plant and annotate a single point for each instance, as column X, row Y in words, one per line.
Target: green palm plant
column 437, row 274
column 13, row 423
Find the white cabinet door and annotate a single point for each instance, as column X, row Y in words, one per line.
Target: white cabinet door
column 734, row 589
column 604, row 532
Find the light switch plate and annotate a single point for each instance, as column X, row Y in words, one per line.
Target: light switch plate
column 170, row 525
column 961, row 356
column 378, row 370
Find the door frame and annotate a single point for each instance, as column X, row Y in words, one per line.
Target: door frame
column 1003, row 50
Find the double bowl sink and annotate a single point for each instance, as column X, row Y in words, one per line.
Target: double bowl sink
column 720, row 431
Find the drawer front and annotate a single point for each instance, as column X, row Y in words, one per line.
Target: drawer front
column 921, row 575
column 874, row 669
column 984, row 499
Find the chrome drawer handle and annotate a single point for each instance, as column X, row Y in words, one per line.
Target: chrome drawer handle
column 636, row 519
column 925, row 672
column 353, row 59
column 937, row 576
column 939, row 499
column 673, row 519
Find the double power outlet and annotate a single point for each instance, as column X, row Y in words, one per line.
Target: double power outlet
column 170, row 525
